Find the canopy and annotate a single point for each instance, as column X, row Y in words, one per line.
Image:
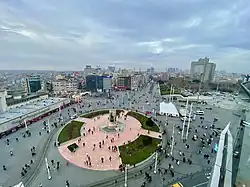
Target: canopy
column 168, row 109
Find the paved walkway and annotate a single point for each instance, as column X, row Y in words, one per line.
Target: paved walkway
column 130, row 133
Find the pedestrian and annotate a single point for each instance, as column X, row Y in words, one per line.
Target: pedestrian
column 110, row 158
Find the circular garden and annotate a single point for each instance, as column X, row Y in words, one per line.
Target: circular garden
column 131, row 152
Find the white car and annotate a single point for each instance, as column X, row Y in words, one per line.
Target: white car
column 199, row 112
column 73, row 117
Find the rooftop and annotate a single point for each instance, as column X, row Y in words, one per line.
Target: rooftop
column 28, row 108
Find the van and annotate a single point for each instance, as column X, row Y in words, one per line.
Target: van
column 199, row 112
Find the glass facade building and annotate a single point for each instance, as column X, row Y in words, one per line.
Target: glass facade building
column 94, row 83
column 34, row 84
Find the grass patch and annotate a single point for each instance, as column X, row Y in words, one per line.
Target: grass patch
column 146, row 122
column 70, row 131
column 165, row 90
column 95, row 113
column 138, row 150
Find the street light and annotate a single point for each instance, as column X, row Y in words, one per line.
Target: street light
column 126, row 176
column 156, row 160
column 48, row 170
column 184, row 121
column 198, row 98
column 189, row 117
column 172, row 144
column 49, row 125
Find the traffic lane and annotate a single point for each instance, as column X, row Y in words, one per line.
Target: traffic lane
column 198, row 179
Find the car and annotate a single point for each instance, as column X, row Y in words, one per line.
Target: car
column 236, row 154
column 73, row 117
column 209, row 108
column 199, row 112
column 178, row 184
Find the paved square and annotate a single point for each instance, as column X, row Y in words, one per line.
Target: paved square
column 92, row 137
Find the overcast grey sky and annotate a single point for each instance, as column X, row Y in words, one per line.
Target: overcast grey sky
column 68, row 34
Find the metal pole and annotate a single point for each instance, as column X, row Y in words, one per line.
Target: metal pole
column 184, row 121
column 173, row 94
column 49, row 125
column 48, row 170
column 156, row 160
column 25, row 123
column 126, row 176
column 189, row 117
column 172, row 144
column 198, row 98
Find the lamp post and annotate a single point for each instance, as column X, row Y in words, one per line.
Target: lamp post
column 172, row 144
column 48, row 170
column 189, row 117
column 49, row 125
column 156, row 160
column 25, row 123
column 198, row 97
column 184, row 121
column 126, row 176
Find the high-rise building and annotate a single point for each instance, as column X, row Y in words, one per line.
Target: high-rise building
column 34, row 84
column 94, row 83
column 107, row 83
column 203, row 70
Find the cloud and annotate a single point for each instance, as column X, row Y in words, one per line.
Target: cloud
column 135, row 34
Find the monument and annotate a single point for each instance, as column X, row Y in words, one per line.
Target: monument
column 113, row 124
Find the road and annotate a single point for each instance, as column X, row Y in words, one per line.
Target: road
column 142, row 100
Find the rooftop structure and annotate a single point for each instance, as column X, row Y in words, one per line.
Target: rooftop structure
column 30, row 109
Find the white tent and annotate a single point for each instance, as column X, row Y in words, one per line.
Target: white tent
column 168, row 109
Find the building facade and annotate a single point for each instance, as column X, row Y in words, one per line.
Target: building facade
column 65, row 86
column 94, row 83
column 107, row 83
column 123, row 83
column 34, row 84
column 203, row 70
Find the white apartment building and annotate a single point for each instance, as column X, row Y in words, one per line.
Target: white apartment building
column 65, row 86
column 203, row 70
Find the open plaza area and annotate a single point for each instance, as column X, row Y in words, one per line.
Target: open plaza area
column 114, row 142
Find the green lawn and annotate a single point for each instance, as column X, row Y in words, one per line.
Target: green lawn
column 165, row 90
column 70, row 131
column 138, row 150
column 146, row 122
column 95, row 113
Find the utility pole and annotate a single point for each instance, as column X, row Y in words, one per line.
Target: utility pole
column 156, row 160
column 126, row 176
column 184, row 121
column 48, row 170
column 189, row 118
column 198, row 98
column 172, row 144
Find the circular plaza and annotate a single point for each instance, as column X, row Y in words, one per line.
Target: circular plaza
column 108, row 139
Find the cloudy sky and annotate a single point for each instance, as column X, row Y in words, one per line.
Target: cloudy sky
column 68, row 34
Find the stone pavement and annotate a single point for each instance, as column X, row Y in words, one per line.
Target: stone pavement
column 21, row 150
column 132, row 128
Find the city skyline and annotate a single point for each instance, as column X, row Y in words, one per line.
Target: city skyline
column 64, row 35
